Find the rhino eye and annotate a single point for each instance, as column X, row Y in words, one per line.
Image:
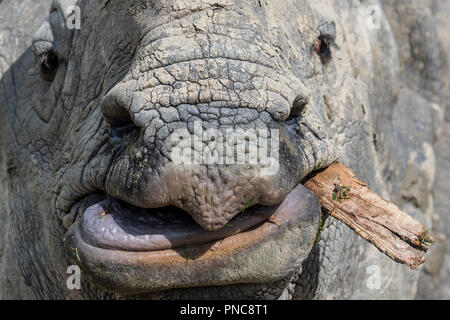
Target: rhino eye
column 49, row 63
column 323, row 48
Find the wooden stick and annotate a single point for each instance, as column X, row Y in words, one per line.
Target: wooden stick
column 380, row 222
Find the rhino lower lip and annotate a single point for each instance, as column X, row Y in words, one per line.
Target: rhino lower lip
column 191, row 257
column 116, row 225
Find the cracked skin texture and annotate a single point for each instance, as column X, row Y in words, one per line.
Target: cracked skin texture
column 158, row 66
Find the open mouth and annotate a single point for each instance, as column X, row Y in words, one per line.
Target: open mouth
column 129, row 250
column 116, row 225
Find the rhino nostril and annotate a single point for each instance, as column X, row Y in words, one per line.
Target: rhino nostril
column 114, row 110
column 116, row 115
column 298, row 106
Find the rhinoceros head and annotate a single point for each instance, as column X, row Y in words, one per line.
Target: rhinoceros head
column 164, row 142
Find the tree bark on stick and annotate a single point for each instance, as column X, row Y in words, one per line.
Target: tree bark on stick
column 349, row 200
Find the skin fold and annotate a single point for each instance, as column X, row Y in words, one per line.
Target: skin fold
column 88, row 114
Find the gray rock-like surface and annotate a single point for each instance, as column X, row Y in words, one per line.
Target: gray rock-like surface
column 435, row 281
column 89, row 112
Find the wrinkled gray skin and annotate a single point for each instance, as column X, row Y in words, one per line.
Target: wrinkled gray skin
column 377, row 106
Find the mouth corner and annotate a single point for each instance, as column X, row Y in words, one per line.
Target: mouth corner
column 159, row 256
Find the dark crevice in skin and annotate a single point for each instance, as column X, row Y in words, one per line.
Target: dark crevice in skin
column 308, row 280
column 119, row 133
column 298, row 107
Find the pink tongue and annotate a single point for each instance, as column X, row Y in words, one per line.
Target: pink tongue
column 126, row 228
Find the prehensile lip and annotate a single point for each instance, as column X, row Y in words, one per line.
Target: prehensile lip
column 266, row 252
